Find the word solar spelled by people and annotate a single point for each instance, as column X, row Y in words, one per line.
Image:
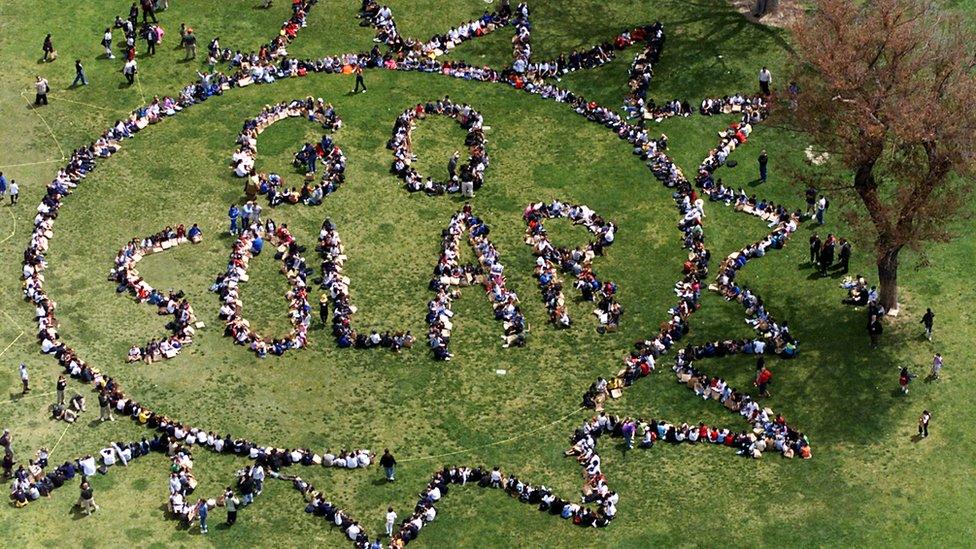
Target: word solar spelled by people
column 415, row 56
column 469, row 178
column 576, row 261
column 125, row 275
column 273, row 185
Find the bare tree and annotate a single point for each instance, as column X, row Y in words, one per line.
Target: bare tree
column 888, row 86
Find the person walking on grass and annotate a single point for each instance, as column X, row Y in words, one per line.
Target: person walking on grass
column 15, row 189
column 107, row 43
column 79, row 75
column 41, row 88
column 923, row 424
column 24, row 378
column 904, row 378
column 936, row 367
column 763, row 161
column 50, row 54
column 358, row 71
column 928, row 319
column 3, row 187
column 388, row 462
column 391, row 517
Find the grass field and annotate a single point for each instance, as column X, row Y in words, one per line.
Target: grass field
column 868, row 484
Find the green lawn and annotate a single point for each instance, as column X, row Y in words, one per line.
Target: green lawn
column 868, row 484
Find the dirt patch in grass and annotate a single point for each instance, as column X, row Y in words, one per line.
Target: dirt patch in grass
column 780, row 13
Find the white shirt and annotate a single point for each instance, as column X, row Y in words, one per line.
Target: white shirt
column 391, row 517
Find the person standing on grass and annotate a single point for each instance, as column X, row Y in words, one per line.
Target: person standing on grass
column 928, row 319
column 41, row 87
column 233, row 213
column 5, row 440
column 391, row 517
column 923, row 424
column 202, row 511
column 763, row 161
column 24, row 378
column 765, row 79
column 59, row 388
column 359, row 79
column 452, row 165
column 148, row 10
column 763, row 377
column 231, row 503
column 48, row 48
column 845, row 255
column 246, row 485
column 190, row 44
column 15, row 189
column 107, row 43
column 129, row 71
column 388, row 462
column 134, row 14
column 875, row 330
column 3, row 187
column 826, row 254
column 815, row 245
column 152, row 37
column 628, row 429
column 86, row 498
column 104, row 407
column 822, row 206
column 904, row 378
column 79, row 74
column 936, row 366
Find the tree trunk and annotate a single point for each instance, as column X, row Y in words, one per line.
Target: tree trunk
column 888, row 279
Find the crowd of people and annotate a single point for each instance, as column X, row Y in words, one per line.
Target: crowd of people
column 128, row 279
column 489, row 273
column 325, row 154
column 464, row 179
column 576, row 261
column 380, row 17
column 449, row 274
column 336, row 286
column 250, row 243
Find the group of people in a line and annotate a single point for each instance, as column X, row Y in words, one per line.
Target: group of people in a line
column 250, row 243
column 464, row 179
column 449, row 275
column 172, row 303
column 576, row 261
column 336, row 298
